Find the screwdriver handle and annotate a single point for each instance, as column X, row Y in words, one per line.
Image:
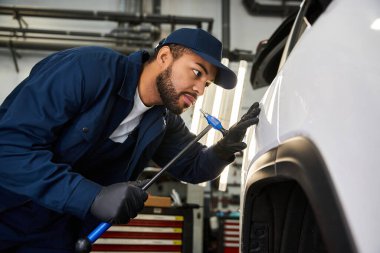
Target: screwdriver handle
column 214, row 122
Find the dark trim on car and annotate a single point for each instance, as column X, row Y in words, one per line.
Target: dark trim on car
column 268, row 55
column 298, row 159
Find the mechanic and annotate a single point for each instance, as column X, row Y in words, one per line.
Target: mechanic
column 78, row 131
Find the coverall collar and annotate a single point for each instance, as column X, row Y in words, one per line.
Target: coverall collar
column 133, row 70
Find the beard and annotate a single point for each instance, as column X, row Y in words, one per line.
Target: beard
column 168, row 94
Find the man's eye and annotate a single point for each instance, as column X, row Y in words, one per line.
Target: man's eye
column 197, row 73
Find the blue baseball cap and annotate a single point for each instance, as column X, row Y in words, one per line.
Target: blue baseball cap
column 206, row 46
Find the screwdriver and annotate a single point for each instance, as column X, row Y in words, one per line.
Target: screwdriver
column 214, row 122
column 84, row 245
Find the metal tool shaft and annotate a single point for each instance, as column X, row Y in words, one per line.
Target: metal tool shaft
column 84, row 245
column 199, row 136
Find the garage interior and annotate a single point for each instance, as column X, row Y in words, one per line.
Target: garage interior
column 180, row 217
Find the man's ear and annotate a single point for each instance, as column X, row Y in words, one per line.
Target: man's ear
column 164, row 57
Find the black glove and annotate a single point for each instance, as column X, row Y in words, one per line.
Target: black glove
column 232, row 140
column 118, row 203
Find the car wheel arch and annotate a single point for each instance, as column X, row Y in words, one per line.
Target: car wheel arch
column 299, row 160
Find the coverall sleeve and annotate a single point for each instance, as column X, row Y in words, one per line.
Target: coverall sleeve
column 54, row 93
column 198, row 164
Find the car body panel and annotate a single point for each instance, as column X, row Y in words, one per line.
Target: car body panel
column 329, row 92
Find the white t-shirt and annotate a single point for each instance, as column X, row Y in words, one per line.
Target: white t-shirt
column 131, row 121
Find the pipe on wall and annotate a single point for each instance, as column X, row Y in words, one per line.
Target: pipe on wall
column 226, row 26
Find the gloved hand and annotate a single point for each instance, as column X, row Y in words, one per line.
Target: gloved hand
column 232, row 140
column 118, row 203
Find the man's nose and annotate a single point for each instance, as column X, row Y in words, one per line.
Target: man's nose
column 199, row 87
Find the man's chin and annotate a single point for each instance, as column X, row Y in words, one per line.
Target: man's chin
column 186, row 107
column 176, row 110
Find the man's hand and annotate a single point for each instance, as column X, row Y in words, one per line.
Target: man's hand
column 232, row 141
column 118, row 203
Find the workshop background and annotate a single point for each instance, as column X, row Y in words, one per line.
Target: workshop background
column 31, row 30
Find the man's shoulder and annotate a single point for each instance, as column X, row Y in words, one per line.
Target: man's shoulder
column 92, row 52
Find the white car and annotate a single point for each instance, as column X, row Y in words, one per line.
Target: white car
column 311, row 182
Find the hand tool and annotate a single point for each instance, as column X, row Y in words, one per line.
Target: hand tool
column 84, row 245
column 214, row 122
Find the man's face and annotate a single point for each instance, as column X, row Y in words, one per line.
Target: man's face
column 180, row 84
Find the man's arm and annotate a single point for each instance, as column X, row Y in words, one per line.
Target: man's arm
column 200, row 163
column 31, row 123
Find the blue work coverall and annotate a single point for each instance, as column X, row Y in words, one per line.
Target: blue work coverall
column 68, row 106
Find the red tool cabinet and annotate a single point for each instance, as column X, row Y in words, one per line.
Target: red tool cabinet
column 229, row 235
column 153, row 230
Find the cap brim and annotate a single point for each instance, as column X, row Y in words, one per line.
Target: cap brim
column 225, row 77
